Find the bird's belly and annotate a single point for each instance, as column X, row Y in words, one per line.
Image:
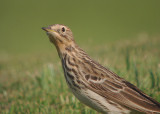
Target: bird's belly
column 98, row 103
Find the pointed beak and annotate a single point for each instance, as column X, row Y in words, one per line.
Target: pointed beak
column 47, row 29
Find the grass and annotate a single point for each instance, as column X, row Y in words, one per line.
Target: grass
column 34, row 83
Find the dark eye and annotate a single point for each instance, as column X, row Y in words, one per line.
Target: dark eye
column 63, row 29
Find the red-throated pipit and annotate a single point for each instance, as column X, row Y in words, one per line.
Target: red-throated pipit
column 93, row 84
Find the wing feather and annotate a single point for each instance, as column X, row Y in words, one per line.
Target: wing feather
column 125, row 94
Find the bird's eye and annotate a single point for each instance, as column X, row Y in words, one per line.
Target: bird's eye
column 63, row 29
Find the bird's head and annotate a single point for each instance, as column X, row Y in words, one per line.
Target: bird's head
column 60, row 35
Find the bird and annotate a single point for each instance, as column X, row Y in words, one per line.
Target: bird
column 94, row 85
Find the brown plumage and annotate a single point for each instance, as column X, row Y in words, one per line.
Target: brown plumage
column 93, row 84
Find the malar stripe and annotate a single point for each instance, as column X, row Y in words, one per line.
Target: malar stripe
column 64, row 36
column 60, row 41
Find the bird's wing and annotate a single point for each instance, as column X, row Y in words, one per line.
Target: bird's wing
column 125, row 94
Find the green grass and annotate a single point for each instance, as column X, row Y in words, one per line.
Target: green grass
column 34, row 83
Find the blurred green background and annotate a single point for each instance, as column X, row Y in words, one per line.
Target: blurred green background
column 123, row 35
column 92, row 21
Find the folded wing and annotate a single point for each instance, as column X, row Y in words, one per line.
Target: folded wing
column 125, row 94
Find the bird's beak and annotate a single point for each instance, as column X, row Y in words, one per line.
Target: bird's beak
column 48, row 29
